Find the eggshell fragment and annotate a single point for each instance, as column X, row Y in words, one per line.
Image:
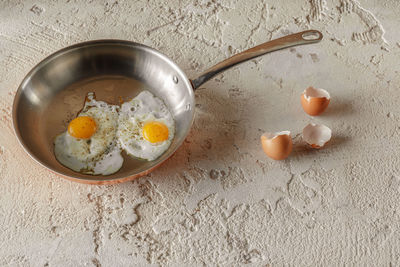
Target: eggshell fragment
column 315, row 100
column 278, row 145
column 316, row 135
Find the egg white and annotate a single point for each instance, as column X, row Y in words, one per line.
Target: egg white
column 117, row 129
column 99, row 154
column 133, row 115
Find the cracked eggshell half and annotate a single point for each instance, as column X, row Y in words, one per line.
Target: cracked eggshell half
column 278, row 145
column 316, row 135
column 314, row 100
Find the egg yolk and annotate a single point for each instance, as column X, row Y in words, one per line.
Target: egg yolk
column 82, row 127
column 155, row 131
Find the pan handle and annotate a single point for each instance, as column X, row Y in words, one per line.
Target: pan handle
column 300, row 38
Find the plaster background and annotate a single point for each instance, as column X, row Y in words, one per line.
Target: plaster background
column 219, row 200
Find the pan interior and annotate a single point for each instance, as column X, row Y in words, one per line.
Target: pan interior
column 54, row 91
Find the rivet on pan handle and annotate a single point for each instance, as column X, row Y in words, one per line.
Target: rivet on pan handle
column 300, row 38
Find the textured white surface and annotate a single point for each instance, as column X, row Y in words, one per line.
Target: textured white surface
column 219, row 200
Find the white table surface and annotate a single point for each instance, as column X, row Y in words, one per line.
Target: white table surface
column 219, row 200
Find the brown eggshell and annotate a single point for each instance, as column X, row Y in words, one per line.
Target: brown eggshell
column 277, row 146
column 316, row 135
column 314, row 105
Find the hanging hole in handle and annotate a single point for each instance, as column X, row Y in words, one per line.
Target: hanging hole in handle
column 312, row 36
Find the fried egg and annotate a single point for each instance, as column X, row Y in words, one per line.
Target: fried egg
column 90, row 145
column 145, row 127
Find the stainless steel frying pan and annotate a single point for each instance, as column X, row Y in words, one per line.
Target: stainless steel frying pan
column 52, row 93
